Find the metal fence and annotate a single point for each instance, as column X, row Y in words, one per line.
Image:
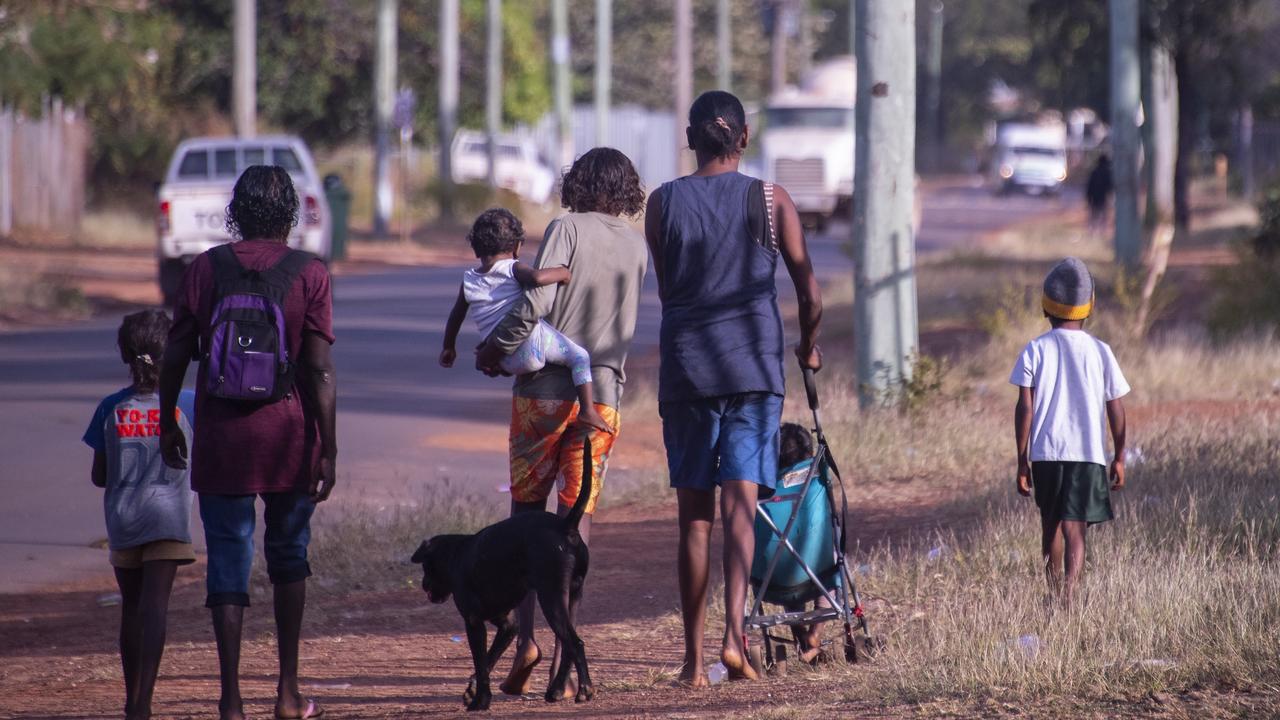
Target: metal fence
column 43, row 162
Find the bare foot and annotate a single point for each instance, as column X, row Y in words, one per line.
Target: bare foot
column 737, row 665
column 693, row 676
column 517, row 682
column 591, row 417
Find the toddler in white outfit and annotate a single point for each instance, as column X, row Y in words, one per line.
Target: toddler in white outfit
column 492, row 289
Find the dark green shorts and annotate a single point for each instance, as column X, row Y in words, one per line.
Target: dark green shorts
column 1072, row 491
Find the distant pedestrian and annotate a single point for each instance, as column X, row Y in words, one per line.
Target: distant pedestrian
column 492, row 289
column 716, row 237
column 147, row 503
column 1070, row 387
column 265, row 395
column 597, row 309
column 1097, row 193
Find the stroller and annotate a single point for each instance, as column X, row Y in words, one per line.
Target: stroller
column 800, row 557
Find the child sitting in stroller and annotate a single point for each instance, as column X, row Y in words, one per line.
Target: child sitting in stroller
column 795, row 457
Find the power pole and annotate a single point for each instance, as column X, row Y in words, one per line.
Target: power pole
column 604, row 68
column 448, row 107
column 1126, row 95
column 384, row 89
column 563, row 91
column 244, row 69
column 933, row 98
column 683, row 82
column 724, row 47
column 493, row 88
column 778, row 46
column 884, row 188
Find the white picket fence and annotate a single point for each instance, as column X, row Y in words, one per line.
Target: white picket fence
column 43, row 165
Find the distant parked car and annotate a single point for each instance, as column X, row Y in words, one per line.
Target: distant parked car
column 192, row 200
column 518, row 167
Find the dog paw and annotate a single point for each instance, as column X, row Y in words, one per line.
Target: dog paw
column 585, row 693
column 554, row 693
column 470, row 693
column 479, row 702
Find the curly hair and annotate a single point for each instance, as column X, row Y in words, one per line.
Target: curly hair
column 796, row 445
column 603, row 180
column 495, row 231
column 141, row 340
column 264, row 205
column 716, row 124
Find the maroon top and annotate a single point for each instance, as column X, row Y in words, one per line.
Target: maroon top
column 242, row 448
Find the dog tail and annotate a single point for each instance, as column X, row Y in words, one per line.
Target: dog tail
column 584, row 492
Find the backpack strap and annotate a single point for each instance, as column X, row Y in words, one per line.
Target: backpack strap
column 760, row 215
column 227, row 268
column 281, row 276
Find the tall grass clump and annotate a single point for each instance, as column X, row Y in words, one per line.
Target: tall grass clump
column 369, row 545
column 1182, row 590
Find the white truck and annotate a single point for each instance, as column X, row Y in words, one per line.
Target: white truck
column 192, row 200
column 1029, row 156
column 807, row 140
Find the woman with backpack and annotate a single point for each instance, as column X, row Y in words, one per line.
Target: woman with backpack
column 716, row 237
column 259, row 316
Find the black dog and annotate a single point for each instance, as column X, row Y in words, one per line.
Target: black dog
column 489, row 573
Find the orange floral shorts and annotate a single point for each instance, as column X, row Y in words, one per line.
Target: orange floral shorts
column 546, row 445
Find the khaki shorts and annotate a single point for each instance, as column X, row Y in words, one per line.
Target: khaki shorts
column 132, row 558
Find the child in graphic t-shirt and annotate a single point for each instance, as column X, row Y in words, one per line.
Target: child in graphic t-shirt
column 1069, row 390
column 492, row 289
column 147, row 503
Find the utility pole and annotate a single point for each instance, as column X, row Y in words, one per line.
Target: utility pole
column 563, row 91
column 244, row 69
column 448, row 106
column 683, row 82
column 493, row 88
column 724, row 47
column 1126, row 95
column 884, row 188
column 384, row 89
column 778, row 46
column 933, row 98
column 604, row 68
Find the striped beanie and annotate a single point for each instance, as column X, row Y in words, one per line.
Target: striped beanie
column 1068, row 290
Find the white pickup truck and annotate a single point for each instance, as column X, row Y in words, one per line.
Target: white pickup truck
column 192, row 200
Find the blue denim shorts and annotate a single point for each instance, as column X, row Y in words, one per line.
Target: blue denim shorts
column 733, row 437
column 228, row 531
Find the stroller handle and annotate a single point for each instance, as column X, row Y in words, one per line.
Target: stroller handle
column 810, row 387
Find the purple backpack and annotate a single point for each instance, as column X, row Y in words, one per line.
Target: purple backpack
column 247, row 358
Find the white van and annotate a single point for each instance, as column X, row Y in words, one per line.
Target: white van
column 192, row 200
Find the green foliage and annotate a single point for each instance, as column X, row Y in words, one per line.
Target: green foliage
column 1248, row 293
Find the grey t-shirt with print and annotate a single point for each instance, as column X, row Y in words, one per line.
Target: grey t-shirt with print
column 145, row 499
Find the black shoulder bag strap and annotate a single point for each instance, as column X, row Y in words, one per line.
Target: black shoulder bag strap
column 760, row 215
column 281, row 276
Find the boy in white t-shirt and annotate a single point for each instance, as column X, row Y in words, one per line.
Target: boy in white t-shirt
column 492, row 289
column 1069, row 388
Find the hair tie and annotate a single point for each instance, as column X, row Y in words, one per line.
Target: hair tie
column 722, row 123
column 146, row 358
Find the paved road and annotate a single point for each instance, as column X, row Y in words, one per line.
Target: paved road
column 404, row 422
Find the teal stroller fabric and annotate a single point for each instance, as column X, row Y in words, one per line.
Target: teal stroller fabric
column 812, row 536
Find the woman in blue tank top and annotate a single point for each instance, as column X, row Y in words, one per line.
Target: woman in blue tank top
column 716, row 237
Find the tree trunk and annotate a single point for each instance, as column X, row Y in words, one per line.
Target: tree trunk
column 1186, row 139
column 1163, row 123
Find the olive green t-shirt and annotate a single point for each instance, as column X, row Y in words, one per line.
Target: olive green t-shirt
column 597, row 309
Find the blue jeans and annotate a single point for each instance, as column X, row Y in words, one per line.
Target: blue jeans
column 732, row 437
column 228, row 531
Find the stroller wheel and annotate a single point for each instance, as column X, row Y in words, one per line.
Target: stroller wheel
column 755, row 658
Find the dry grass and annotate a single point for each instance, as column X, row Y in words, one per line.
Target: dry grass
column 25, row 294
column 112, row 228
column 1182, row 590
